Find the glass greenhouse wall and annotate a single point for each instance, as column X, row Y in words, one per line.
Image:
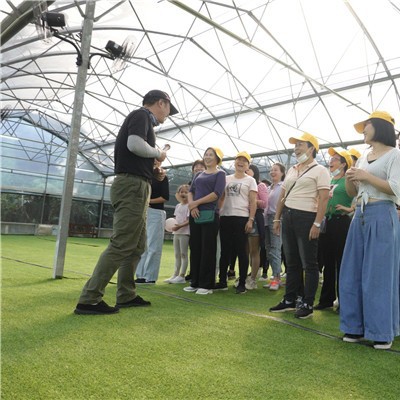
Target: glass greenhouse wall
column 244, row 75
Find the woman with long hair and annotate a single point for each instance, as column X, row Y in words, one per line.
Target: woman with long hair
column 256, row 237
column 273, row 241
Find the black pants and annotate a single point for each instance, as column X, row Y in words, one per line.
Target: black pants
column 332, row 244
column 301, row 255
column 233, row 240
column 203, row 250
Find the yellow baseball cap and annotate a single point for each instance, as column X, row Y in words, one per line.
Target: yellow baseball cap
column 359, row 126
column 306, row 137
column 245, row 155
column 354, row 152
column 343, row 153
column 219, row 153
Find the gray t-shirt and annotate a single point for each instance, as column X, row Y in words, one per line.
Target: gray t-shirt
column 387, row 168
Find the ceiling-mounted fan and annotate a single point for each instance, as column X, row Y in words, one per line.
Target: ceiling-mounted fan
column 121, row 54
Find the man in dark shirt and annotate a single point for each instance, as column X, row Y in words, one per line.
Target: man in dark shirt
column 130, row 193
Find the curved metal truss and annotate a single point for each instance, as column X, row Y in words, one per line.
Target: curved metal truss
column 245, row 74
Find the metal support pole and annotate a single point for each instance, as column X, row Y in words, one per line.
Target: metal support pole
column 102, row 205
column 73, row 144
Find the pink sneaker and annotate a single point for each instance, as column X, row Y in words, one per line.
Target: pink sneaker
column 275, row 284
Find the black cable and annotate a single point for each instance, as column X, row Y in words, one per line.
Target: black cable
column 235, row 310
column 69, row 242
column 269, row 317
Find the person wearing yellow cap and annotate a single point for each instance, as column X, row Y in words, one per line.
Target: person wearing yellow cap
column 369, row 276
column 204, row 193
column 355, row 154
column 337, row 222
column 300, row 210
column 197, row 166
column 237, row 218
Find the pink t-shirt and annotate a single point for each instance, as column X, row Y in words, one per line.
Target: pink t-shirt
column 262, row 196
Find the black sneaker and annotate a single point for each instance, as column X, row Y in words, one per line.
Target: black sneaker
column 101, row 308
column 299, row 302
column 320, row 306
column 136, row 302
column 284, row 306
column 140, row 280
column 221, row 286
column 188, row 277
column 241, row 289
column 304, row 311
column 350, row 338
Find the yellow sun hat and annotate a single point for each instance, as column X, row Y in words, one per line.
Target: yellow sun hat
column 245, row 155
column 305, row 137
column 359, row 126
column 343, row 153
column 354, row 152
column 219, row 153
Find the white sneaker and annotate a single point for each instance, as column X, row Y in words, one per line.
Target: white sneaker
column 336, row 303
column 251, row 284
column 190, row 289
column 382, row 345
column 204, row 291
column 178, row 279
column 170, row 279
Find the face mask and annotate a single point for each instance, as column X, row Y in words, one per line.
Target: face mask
column 336, row 172
column 303, row 158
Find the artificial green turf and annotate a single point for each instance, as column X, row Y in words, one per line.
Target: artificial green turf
column 184, row 346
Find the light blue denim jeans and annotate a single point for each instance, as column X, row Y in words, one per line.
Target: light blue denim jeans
column 273, row 245
column 149, row 265
column 369, row 276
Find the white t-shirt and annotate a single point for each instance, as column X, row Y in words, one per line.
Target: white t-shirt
column 182, row 215
column 237, row 192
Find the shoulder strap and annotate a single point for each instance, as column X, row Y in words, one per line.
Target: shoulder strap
column 287, row 194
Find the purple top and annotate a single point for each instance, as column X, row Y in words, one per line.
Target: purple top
column 274, row 191
column 204, row 184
